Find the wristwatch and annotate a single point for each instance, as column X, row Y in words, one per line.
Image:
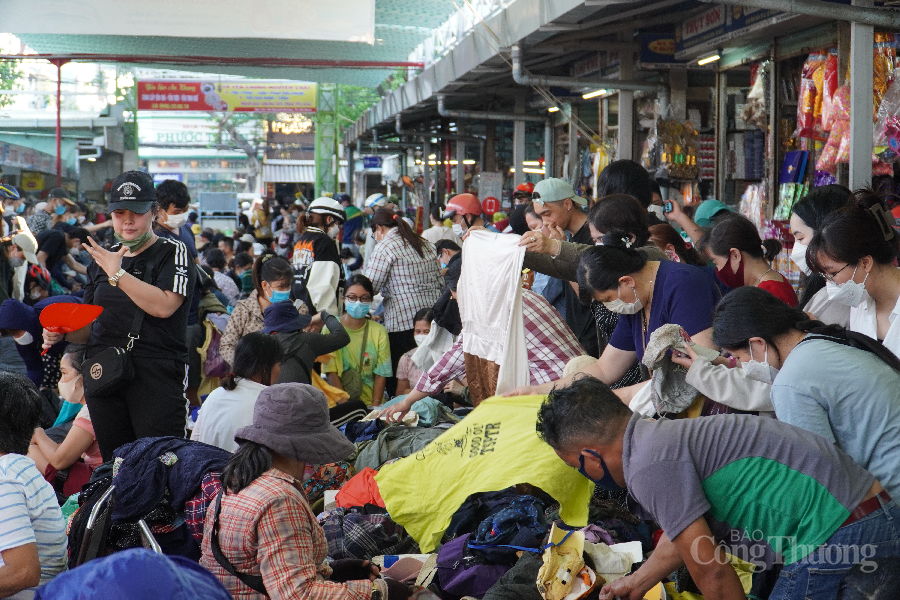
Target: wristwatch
column 114, row 280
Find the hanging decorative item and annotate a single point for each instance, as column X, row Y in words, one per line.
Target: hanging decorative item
column 679, row 149
column 754, row 111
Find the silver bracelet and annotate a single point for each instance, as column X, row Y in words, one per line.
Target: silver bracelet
column 558, row 250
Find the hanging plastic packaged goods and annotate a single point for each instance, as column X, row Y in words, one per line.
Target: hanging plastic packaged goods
column 809, row 105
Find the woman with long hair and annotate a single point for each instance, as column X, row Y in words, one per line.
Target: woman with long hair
column 742, row 258
column 855, row 251
column 257, row 363
column 272, row 279
column 834, row 382
column 807, row 218
column 404, row 269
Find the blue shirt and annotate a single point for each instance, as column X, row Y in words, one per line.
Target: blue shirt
column 849, row 397
column 682, row 294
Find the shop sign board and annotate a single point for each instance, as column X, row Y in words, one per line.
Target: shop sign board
column 27, row 158
column 720, row 24
column 32, row 181
column 169, row 167
column 587, row 66
column 158, row 178
column 371, row 162
column 658, row 51
column 613, row 64
column 236, row 96
column 490, row 185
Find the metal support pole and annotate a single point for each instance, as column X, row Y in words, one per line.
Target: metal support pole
column 460, row 160
column 572, row 111
column 721, row 133
column 626, row 108
column 519, row 142
column 426, row 176
column 59, row 62
column 861, row 75
column 548, row 149
column 350, row 170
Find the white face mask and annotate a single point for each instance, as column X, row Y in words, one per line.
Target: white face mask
column 81, row 219
column 16, row 261
column 760, row 371
column 71, row 391
column 850, row 293
column 35, row 294
column 176, row 221
column 8, row 211
column 625, row 308
column 420, row 339
column 798, row 255
column 458, row 229
column 333, row 231
column 24, row 339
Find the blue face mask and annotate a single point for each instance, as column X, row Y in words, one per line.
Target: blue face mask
column 20, row 209
column 607, row 482
column 60, row 209
column 443, row 265
column 358, row 310
column 71, row 221
column 278, row 296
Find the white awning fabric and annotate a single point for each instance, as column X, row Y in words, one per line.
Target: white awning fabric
column 296, row 171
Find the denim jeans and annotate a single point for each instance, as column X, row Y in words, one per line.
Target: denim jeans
column 818, row 576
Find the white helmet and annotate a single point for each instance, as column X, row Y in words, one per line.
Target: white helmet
column 376, row 200
column 328, row 206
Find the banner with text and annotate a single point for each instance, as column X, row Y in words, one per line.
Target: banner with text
column 236, row 96
column 721, row 23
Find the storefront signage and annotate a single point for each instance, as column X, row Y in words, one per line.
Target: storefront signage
column 587, row 66
column 172, row 167
column 188, row 130
column 160, row 177
column 490, row 185
column 32, row 182
column 613, row 64
column 371, row 162
column 12, row 155
column 720, row 24
column 237, row 96
column 658, row 51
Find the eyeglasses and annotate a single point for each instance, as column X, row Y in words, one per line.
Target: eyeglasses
column 831, row 277
column 358, row 298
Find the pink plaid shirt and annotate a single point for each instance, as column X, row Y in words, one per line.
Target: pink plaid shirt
column 548, row 340
column 407, row 281
column 268, row 529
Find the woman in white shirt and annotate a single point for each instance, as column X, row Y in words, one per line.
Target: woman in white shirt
column 257, row 363
column 854, row 250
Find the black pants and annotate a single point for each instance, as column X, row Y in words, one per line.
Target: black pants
column 351, row 410
column 401, row 342
column 153, row 404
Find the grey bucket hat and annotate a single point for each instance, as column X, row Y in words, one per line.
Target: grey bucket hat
column 292, row 420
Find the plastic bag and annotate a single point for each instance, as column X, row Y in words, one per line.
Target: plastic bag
column 829, row 87
column 808, row 125
column 886, row 138
column 837, row 148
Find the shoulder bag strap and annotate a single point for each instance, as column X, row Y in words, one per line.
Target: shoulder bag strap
column 135, row 332
column 254, row 582
column 362, row 350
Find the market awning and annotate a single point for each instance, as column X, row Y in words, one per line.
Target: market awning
column 295, row 171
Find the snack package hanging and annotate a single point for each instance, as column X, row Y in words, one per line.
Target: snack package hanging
column 838, row 144
column 882, row 66
column 886, row 138
column 829, row 87
column 809, row 105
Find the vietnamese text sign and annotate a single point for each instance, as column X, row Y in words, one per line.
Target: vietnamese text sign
column 237, row 96
column 722, row 23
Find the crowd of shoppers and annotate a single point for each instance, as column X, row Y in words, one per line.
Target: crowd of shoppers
column 309, row 327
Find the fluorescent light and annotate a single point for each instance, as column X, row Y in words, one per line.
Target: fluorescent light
column 593, row 94
column 709, row 59
column 535, row 171
column 469, row 161
column 531, row 163
column 432, row 156
column 92, row 159
column 553, row 109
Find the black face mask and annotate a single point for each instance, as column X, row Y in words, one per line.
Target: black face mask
column 606, row 482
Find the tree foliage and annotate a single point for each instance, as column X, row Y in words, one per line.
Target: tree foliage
column 9, row 76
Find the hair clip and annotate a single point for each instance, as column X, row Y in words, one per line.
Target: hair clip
column 628, row 242
column 880, row 215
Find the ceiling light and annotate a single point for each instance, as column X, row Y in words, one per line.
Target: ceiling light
column 535, row 171
column 531, row 163
column 593, row 94
column 432, row 156
column 709, row 59
column 553, row 109
column 469, row 161
column 92, row 159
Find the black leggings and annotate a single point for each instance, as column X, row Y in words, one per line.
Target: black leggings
column 401, row 342
column 153, row 404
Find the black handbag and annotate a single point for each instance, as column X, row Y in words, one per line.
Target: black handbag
column 254, row 582
column 110, row 369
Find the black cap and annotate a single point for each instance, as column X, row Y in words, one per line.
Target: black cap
column 132, row 190
column 61, row 193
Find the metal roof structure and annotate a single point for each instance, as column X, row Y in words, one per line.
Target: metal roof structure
column 400, row 26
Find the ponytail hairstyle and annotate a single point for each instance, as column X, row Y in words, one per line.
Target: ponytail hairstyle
column 305, row 220
column 848, row 235
column 249, row 461
column 736, row 231
column 621, row 212
column 601, row 267
column 664, row 234
column 813, row 209
column 255, row 356
column 748, row 312
column 389, row 219
column 272, row 268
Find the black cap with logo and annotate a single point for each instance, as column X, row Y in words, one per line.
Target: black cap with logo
column 132, row 190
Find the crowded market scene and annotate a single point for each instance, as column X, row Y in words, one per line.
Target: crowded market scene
column 438, row 300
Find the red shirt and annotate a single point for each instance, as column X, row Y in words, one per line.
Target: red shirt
column 783, row 290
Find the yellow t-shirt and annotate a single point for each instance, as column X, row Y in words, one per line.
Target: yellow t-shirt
column 376, row 361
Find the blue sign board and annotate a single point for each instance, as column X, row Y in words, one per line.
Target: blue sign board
column 371, row 162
